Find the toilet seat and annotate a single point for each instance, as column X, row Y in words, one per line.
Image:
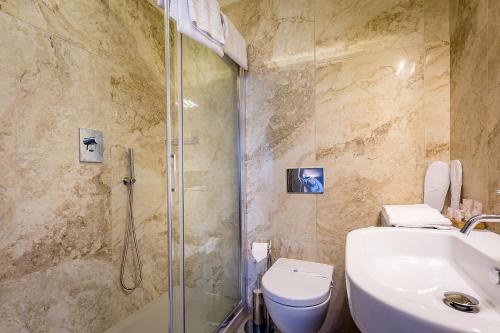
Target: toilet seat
column 297, row 294
column 298, row 283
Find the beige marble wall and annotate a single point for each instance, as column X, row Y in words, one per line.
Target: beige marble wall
column 360, row 88
column 92, row 64
column 475, row 93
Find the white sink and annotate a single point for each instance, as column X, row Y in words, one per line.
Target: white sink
column 397, row 277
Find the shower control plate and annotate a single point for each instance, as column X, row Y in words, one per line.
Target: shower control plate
column 91, row 145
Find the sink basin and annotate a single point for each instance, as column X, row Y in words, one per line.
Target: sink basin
column 396, row 279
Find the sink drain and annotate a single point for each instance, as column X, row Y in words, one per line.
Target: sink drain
column 461, row 302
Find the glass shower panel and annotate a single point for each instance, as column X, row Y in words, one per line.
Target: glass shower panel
column 211, row 187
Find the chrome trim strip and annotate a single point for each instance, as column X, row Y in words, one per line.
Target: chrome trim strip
column 180, row 147
column 234, row 319
column 242, row 175
column 166, row 23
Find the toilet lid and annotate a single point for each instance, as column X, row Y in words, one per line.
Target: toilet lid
column 437, row 182
column 297, row 282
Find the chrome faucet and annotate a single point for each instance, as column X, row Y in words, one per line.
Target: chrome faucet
column 473, row 221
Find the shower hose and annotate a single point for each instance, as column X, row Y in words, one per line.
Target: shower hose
column 130, row 235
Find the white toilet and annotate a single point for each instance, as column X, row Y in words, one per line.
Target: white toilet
column 297, row 294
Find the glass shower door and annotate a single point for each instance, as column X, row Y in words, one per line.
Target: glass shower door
column 204, row 175
column 210, row 187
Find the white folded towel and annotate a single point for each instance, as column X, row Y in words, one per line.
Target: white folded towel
column 206, row 16
column 179, row 11
column 419, row 215
column 235, row 46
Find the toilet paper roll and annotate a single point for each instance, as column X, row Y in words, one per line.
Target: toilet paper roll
column 259, row 251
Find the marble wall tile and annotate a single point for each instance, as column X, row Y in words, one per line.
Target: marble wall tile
column 84, row 23
column 65, row 66
column 280, row 129
column 139, row 122
column 359, row 109
column 138, row 25
column 46, row 300
column 493, row 108
column 347, row 28
column 437, row 80
column 268, row 44
column 437, row 101
column 8, row 130
column 279, row 114
column 63, row 205
column 370, row 141
column 469, row 91
column 475, row 94
column 436, row 21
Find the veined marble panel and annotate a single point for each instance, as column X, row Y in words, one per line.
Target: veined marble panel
column 61, row 209
column 8, row 132
column 74, row 296
column 436, row 21
column 103, row 27
column 370, row 140
column 138, row 122
column 493, row 108
column 361, row 102
column 84, row 23
column 280, row 135
column 137, row 39
column 64, row 66
column 267, row 27
column 437, row 101
column 357, row 109
column 475, row 92
column 346, row 28
column 469, row 95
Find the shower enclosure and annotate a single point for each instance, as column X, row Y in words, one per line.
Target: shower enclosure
column 117, row 213
column 203, row 135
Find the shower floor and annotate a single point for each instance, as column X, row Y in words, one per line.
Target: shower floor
column 206, row 310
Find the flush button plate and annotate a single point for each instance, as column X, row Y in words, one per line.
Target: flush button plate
column 91, row 145
column 305, row 180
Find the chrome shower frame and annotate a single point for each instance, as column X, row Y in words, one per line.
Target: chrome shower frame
column 235, row 317
column 166, row 24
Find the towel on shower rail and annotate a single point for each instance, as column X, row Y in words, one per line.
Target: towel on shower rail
column 206, row 17
column 235, row 46
column 180, row 12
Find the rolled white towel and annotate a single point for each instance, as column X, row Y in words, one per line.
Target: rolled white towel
column 179, row 11
column 206, row 17
column 235, row 46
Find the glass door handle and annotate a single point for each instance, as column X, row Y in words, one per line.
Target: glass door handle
column 174, row 176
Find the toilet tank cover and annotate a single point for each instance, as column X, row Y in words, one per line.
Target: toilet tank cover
column 297, row 282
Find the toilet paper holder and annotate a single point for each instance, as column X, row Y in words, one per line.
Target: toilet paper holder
column 261, row 321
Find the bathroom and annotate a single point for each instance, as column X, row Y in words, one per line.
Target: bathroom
column 145, row 168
